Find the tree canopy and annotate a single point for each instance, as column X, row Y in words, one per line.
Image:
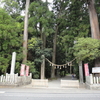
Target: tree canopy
column 87, row 48
column 10, row 40
column 50, row 32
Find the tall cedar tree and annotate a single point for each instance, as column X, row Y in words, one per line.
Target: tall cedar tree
column 40, row 26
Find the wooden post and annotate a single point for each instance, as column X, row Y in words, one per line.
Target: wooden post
column 43, row 67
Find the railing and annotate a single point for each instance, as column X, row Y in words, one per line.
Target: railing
column 92, row 79
column 96, row 80
column 14, row 79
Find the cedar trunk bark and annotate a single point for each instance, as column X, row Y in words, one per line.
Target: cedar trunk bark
column 94, row 25
column 54, row 53
column 25, row 37
column 93, row 20
column 43, row 38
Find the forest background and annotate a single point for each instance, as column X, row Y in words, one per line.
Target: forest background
column 50, row 32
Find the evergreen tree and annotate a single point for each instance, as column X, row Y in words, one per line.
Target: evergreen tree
column 40, row 27
column 12, row 7
column 77, row 24
column 10, row 40
column 25, row 35
column 95, row 32
column 72, row 23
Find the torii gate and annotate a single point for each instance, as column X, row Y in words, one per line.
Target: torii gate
column 43, row 68
column 59, row 66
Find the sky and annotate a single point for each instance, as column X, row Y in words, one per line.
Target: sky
column 51, row 1
column 48, row 1
column 50, row 6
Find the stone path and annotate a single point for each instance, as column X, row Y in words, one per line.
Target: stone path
column 56, row 83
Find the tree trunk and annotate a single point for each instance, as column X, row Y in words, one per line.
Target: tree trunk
column 43, row 68
column 25, row 38
column 81, row 72
column 54, row 53
column 94, row 25
column 43, row 38
column 54, row 46
column 93, row 20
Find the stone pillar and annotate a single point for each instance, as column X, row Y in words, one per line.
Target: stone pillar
column 94, row 80
column 1, row 79
column 13, row 63
column 80, row 72
column 30, row 75
column 97, row 80
column 43, row 67
column 91, row 79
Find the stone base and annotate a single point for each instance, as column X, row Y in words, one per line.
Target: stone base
column 93, row 86
column 8, row 86
column 70, row 83
column 39, row 83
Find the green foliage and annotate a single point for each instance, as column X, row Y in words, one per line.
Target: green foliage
column 3, row 64
column 40, row 28
column 35, row 74
column 87, row 48
column 12, row 7
column 40, row 18
column 35, row 45
column 97, row 3
column 10, row 40
column 73, row 22
column 71, row 19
